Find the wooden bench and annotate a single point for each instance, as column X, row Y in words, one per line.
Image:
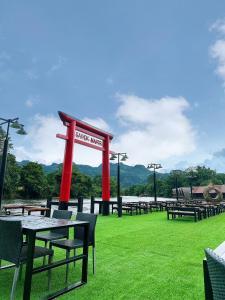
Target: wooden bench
column 31, row 209
column 183, row 211
column 128, row 208
column 10, row 207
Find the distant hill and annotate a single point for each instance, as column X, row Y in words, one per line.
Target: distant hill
column 129, row 175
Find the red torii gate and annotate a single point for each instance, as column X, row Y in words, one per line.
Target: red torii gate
column 84, row 134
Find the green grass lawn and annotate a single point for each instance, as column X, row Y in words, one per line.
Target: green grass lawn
column 138, row 257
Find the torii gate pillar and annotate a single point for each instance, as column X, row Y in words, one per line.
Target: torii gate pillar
column 105, row 177
column 67, row 166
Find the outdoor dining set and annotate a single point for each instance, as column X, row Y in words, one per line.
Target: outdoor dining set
column 20, row 232
column 199, row 210
column 139, row 207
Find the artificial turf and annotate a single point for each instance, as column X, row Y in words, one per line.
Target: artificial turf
column 138, row 257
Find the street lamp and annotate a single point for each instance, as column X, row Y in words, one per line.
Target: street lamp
column 191, row 172
column 120, row 157
column 13, row 123
column 154, row 166
column 176, row 173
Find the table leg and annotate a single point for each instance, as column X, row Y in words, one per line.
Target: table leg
column 85, row 253
column 29, row 265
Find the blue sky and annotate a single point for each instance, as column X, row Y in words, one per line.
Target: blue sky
column 151, row 72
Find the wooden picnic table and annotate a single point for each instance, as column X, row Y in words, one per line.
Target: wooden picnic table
column 14, row 206
column 31, row 209
column 28, row 208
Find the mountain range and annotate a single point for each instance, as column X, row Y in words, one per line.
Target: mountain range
column 129, row 175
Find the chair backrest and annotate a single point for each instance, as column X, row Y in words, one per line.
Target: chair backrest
column 62, row 214
column 11, row 240
column 92, row 219
column 216, row 267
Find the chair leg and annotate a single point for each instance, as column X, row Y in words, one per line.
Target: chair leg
column 49, row 271
column 21, row 272
column 74, row 253
column 94, row 259
column 67, row 265
column 15, row 279
column 44, row 258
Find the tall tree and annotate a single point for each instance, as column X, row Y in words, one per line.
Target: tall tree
column 33, row 181
column 12, row 178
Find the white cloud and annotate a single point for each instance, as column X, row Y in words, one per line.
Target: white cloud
column 217, row 50
column 31, row 101
column 98, row 122
column 42, row 145
column 155, row 130
column 58, row 65
column 152, row 130
column 219, row 26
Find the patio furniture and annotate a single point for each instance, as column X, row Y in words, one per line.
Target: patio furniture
column 56, row 234
column 14, row 251
column 155, row 206
column 183, row 211
column 9, row 207
column 78, row 240
column 128, row 207
column 216, row 269
column 33, row 224
column 31, row 209
column 100, row 205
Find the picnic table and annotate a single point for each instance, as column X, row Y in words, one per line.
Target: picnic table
column 31, row 209
column 9, row 207
column 28, row 208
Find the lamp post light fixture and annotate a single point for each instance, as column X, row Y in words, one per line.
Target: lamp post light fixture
column 120, row 156
column 176, row 173
column 191, row 172
column 13, row 123
column 154, row 166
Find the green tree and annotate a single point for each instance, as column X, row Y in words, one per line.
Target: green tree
column 113, row 187
column 97, row 186
column 12, row 178
column 33, row 181
column 81, row 185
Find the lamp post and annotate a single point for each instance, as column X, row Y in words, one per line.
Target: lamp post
column 13, row 123
column 154, row 166
column 191, row 175
column 120, row 157
column 176, row 173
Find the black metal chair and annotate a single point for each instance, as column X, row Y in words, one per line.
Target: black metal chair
column 56, row 234
column 69, row 245
column 13, row 250
column 216, row 267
